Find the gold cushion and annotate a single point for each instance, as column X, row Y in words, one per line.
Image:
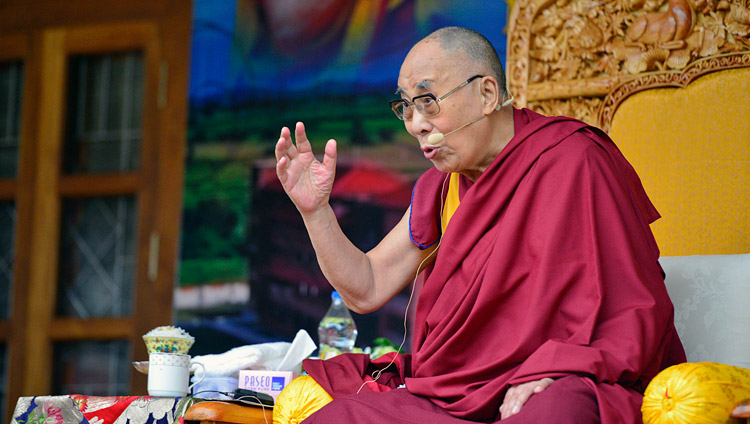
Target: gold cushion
column 299, row 399
column 695, row 393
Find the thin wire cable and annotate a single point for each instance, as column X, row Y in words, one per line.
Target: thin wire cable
column 240, row 399
column 376, row 375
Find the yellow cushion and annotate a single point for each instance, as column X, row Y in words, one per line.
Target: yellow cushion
column 299, row 399
column 695, row 393
column 691, row 148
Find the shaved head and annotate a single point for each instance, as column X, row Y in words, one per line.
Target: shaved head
column 474, row 46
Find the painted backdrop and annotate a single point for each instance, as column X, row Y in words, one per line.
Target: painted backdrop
column 258, row 65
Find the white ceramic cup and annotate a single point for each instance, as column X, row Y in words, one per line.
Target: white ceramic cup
column 169, row 373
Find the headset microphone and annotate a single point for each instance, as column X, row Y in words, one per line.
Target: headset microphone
column 438, row 137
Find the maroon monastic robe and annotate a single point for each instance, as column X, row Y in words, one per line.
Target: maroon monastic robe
column 548, row 268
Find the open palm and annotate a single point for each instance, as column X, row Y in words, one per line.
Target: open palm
column 306, row 180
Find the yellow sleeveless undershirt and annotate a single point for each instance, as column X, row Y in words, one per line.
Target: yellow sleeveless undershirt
column 451, row 201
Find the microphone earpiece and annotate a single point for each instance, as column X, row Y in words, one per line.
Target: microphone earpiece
column 435, row 138
column 505, row 103
column 438, row 137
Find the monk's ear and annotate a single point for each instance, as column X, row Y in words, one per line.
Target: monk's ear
column 490, row 92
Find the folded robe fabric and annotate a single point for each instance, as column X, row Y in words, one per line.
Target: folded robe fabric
column 547, row 268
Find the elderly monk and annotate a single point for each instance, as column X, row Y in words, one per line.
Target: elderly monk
column 543, row 300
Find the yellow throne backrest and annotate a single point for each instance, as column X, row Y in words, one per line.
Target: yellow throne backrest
column 669, row 80
column 695, row 163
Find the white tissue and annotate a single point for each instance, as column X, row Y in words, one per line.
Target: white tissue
column 278, row 356
column 264, row 356
column 302, row 347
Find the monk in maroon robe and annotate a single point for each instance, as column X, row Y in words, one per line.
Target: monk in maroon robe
column 543, row 299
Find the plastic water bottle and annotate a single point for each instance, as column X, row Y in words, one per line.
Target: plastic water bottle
column 336, row 331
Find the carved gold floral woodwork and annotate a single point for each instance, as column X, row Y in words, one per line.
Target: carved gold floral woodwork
column 582, row 108
column 561, row 49
column 666, row 79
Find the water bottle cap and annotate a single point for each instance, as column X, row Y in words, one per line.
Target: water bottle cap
column 335, row 295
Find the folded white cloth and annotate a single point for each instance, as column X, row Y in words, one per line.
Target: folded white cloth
column 264, row 356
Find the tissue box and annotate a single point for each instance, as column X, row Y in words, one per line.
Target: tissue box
column 270, row 382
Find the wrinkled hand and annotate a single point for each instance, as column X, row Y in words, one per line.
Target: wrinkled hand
column 516, row 396
column 306, row 180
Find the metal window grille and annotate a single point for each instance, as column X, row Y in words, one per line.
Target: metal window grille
column 104, row 119
column 97, row 257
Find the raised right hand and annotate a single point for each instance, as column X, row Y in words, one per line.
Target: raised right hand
column 307, row 181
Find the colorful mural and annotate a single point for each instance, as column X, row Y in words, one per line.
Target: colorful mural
column 252, row 50
column 258, row 65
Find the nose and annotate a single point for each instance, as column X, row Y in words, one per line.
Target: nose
column 418, row 125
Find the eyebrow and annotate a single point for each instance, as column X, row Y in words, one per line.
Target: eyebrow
column 424, row 85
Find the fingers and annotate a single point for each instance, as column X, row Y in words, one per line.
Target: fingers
column 280, row 150
column 516, row 396
column 285, row 147
column 294, row 161
column 281, row 166
column 329, row 158
column 543, row 384
column 281, row 153
column 286, row 151
column 303, row 144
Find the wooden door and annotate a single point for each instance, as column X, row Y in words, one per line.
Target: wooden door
column 92, row 208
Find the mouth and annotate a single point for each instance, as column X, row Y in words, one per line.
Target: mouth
column 430, row 151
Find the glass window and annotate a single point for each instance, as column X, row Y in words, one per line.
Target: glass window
column 97, row 257
column 103, row 131
column 7, row 255
column 11, row 85
column 96, row 368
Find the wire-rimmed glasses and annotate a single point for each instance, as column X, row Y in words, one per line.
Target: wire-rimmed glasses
column 426, row 104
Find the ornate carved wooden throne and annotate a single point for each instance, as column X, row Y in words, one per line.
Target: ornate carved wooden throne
column 669, row 80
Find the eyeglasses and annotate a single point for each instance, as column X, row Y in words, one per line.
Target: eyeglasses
column 426, row 104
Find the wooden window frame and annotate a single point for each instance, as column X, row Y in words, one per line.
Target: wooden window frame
column 44, row 41
column 12, row 47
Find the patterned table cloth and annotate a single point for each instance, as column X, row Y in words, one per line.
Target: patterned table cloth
column 80, row 409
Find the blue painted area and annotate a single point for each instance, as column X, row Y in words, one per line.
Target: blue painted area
column 236, row 65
